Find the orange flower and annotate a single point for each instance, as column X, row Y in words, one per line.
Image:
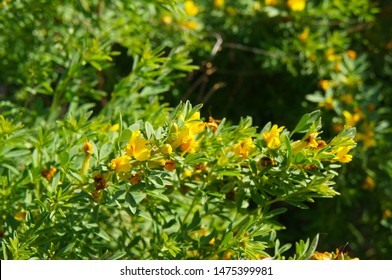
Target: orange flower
column 170, row 165
column 351, row 54
column 87, row 148
column 135, row 179
column 48, row 174
column 369, row 183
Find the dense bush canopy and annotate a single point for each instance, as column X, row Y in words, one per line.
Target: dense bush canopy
column 210, row 129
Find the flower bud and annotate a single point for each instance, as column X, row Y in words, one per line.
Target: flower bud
column 167, row 149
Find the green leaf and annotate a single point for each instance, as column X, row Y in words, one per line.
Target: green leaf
column 194, row 110
column 125, row 135
column 232, row 173
column 253, row 166
column 158, row 195
column 103, row 234
column 145, row 215
column 275, row 212
column 156, row 181
column 16, row 153
column 149, row 130
column 64, row 158
column 130, row 199
column 195, row 221
column 228, row 237
column 306, row 121
column 289, row 149
column 105, row 150
column 195, row 158
column 312, row 247
column 132, row 205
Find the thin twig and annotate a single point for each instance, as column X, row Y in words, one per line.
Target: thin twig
column 250, row 49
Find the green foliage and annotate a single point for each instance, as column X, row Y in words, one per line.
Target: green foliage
column 102, row 156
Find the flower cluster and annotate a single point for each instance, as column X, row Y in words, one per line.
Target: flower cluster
column 181, row 139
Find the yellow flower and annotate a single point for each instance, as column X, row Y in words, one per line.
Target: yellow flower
column 114, row 127
column 188, row 143
column 167, row 19
column 185, row 140
column 195, row 124
column 351, row 119
column 328, row 103
column 271, row 2
column 303, row 37
column 219, row 3
column 191, row 9
column 272, row 137
column 186, row 173
column 244, row 148
column 137, row 147
column 321, row 256
column 296, row 5
column 166, row 149
column 185, row 135
column 324, row 84
column 121, row 164
column 341, row 154
column 192, row 25
column 310, row 140
column 331, row 55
